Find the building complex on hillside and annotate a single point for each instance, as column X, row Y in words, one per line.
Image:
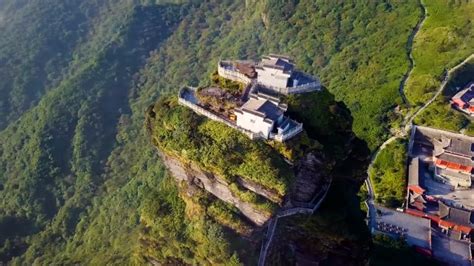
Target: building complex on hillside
column 264, row 115
column 274, row 73
column 464, row 100
column 453, row 159
column 440, row 189
column 258, row 113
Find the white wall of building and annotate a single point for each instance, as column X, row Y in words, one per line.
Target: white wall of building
column 271, row 77
column 232, row 74
column 254, row 123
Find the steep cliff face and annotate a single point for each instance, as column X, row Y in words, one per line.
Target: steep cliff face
column 194, row 176
column 225, row 178
column 311, row 176
column 256, row 177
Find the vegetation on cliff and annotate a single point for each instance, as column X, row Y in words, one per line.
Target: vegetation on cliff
column 222, row 150
column 186, row 228
column 179, row 132
column 338, row 228
column 324, row 119
column 76, row 167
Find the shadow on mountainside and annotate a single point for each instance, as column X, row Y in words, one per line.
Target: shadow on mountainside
column 336, row 233
column 77, row 124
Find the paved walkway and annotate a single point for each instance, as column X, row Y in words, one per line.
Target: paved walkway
column 272, row 224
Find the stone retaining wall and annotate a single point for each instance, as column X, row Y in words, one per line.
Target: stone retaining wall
column 295, row 131
column 309, row 87
column 198, row 109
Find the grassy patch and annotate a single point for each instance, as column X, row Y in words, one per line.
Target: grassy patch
column 216, row 147
column 440, row 114
column 388, row 174
column 363, row 195
column 227, row 215
column 236, row 88
column 444, row 40
column 257, row 201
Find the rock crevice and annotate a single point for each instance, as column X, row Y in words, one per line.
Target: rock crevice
column 310, row 176
column 194, row 176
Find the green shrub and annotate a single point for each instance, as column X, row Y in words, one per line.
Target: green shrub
column 389, row 172
column 217, row 147
column 256, row 200
column 444, row 40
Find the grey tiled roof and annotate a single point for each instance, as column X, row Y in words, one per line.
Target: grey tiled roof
column 456, row 159
column 414, row 172
column 460, row 147
column 455, row 174
column 277, row 62
column 455, row 215
column 263, row 107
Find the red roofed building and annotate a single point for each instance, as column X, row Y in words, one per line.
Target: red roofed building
column 464, row 99
column 457, row 219
column 453, row 160
column 436, row 155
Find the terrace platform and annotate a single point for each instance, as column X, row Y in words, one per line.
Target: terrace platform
column 416, row 230
column 459, row 198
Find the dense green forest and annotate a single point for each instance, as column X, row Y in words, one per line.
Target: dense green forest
column 444, row 40
column 36, row 46
column 80, row 182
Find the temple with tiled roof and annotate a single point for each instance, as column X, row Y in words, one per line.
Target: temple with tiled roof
column 464, row 100
column 453, row 161
column 450, row 158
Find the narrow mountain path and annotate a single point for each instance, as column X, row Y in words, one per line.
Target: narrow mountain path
column 272, row 223
column 409, row 48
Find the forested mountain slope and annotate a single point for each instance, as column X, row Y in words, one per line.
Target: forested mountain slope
column 444, row 40
column 77, row 172
column 36, row 46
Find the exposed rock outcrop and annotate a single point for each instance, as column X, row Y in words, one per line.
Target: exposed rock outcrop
column 311, row 175
column 252, row 186
column 194, row 176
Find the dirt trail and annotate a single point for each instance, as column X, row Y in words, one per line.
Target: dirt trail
column 411, row 60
